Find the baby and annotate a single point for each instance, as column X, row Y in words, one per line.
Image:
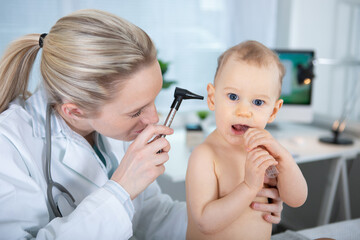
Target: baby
column 227, row 170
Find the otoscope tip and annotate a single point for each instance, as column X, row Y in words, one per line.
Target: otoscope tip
column 185, row 94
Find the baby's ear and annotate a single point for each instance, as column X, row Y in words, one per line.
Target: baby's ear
column 276, row 109
column 211, row 96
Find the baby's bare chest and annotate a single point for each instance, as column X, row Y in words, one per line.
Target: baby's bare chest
column 230, row 172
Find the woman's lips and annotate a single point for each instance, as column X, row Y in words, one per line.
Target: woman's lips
column 239, row 129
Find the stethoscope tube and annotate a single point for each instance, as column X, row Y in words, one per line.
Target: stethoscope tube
column 50, row 183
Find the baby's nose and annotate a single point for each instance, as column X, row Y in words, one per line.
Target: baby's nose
column 243, row 110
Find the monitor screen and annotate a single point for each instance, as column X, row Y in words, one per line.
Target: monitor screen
column 297, row 84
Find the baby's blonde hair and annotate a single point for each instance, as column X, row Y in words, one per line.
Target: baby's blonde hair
column 252, row 52
column 86, row 57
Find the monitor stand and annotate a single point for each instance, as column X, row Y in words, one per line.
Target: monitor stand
column 336, row 139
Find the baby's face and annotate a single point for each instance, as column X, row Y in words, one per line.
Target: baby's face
column 245, row 96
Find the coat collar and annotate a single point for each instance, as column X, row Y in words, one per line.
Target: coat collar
column 79, row 155
column 36, row 107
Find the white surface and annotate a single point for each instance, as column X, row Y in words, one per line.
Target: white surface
column 346, row 230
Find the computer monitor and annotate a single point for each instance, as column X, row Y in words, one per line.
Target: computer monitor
column 297, row 85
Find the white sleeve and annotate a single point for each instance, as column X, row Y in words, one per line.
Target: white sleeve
column 99, row 216
column 24, row 212
column 157, row 215
column 161, row 217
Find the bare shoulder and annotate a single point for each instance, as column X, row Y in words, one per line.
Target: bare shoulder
column 203, row 153
column 201, row 167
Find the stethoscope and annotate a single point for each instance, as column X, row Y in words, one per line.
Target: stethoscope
column 50, row 183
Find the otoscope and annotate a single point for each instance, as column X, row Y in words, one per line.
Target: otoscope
column 179, row 95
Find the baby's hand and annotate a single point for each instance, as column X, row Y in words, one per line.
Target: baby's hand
column 260, row 137
column 258, row 160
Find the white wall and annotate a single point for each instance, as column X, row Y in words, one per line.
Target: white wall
column 190, row 34
column 331, row 28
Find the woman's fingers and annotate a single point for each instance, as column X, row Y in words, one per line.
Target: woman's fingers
column 150, row 131
column 141, row 164
column 273, row 208
column 161, row 158
column 272, row 193
column 159, row 144
column 274, row 219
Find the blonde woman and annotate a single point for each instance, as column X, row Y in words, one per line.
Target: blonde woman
column 76, row 157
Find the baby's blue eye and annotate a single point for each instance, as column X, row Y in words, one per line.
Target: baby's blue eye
column 258, row 102
column 233, row 96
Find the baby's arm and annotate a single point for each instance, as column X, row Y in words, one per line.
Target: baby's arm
column 291, row 183
column 210, row 213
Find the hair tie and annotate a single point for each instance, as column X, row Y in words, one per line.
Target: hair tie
column 41, row 39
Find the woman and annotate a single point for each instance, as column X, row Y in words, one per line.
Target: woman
column 100, row 80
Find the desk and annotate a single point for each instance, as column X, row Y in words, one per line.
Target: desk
column 302, row 142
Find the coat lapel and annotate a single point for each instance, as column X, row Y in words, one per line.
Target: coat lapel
column 78, row 154
column 84, row 162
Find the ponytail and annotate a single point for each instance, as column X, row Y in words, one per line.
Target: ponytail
column 86, row 58
column 15, row 68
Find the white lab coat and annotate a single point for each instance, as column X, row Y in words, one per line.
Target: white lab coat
column 104, row 210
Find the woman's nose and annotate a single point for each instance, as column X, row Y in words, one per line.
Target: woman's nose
column 151, row 116
column 243, row 110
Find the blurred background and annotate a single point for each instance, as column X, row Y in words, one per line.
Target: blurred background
column 191, row 34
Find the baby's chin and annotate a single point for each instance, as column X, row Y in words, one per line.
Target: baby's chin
column 235, row 140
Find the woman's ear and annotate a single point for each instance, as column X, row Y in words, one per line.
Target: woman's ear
column 211, row 96
column 276, row 109
column 71, row 111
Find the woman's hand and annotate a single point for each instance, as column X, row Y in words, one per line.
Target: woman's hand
column 141, row 164
column 272, row 209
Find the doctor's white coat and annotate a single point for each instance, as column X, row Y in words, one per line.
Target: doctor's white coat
column 104, row 210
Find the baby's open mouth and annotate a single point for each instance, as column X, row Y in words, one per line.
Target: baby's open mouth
column 239, row 128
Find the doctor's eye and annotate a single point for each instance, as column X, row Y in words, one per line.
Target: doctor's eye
column 136, row 114
column 258, row 102
column 233, row 97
